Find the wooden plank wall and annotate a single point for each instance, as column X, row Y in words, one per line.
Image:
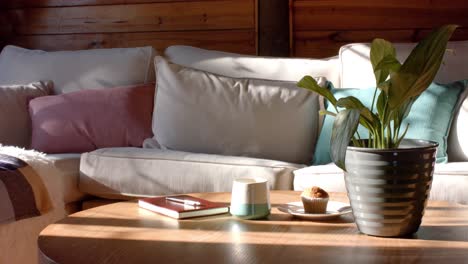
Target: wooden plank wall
column 228, row 25
column 273, row 28
column 319, row 27
column 5, row 28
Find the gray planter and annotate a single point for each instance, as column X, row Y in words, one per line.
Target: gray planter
column 388, row 188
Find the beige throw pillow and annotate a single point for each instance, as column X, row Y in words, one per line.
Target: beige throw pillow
column 15, row 123
column 197, row 111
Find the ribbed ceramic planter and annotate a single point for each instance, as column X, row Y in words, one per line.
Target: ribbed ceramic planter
column 388, row 188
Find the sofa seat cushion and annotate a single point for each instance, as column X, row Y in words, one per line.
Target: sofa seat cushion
column 59, row 172
column 65, row 168
column 450, row 180
column 135, row 172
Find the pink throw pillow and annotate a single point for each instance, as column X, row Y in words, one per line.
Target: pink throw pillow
column 90, row 119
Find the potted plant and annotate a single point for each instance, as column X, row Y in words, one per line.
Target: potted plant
column 388, row 178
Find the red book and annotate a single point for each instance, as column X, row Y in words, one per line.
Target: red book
column 182, row 206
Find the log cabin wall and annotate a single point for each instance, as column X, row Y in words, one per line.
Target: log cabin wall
column 319, row 27
column 228, row 25
column 315, row 28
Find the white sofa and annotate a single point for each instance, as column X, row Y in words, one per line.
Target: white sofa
column 166, row 171
column 127, row 172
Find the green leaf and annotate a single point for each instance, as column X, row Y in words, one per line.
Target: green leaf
column 352, row 102
column 381, row 102
column 389, row 64
column 309, row 83
column 405, row 109
column 420, row 68
column 344, row 127
column 381, row 50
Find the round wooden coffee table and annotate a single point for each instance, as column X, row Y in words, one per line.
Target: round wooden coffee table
column 123, row 233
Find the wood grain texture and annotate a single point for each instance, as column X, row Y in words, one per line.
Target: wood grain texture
column 123, row 233
column 240, row 41
column 175, row 16
column 320, row 27
column 60, row 3
column 228, row 25
column 318, row 44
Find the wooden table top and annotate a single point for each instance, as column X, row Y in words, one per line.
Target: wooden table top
column 123, row 233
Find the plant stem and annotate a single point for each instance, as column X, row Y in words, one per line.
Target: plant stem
column 373, row 99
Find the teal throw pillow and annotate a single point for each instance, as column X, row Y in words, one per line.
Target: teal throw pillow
column 430, row 117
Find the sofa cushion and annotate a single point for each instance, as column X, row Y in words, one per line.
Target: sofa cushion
column 65, row 168
column 59, row 172
column 430, row 117
column 457, row 140
column 356, row 69
column 356, row 72
column 85, row 120
column 77, row 70
column 198, row 111
column 127, row 172
column 15, row 123
column 450, row 180
column 244, row 66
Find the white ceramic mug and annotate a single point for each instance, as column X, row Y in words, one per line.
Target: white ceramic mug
column 250, row 198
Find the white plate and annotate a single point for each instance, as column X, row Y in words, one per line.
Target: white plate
column 334, row 209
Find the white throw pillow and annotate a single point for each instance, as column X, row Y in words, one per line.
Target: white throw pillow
column 202, row 112
column 15, row 123
column 245, row 66
column 77, row 70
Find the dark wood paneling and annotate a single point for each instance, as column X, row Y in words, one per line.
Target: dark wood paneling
column 175, row 16
column 228, row 25
column 240, row 41
column 5, row 29
column 273, row 28
column 318, row 44
column 319, row 28
column 61, row 3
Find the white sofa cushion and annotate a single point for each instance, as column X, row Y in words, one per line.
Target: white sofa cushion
column 198, row 111
column 244, row 66
column 15, row 122
column 59, row 172
column 77, row 70
column 450, row 180
column 65, row 168
column 356, row 72
column 356, row 69
column 458, row 140
column 127, row 172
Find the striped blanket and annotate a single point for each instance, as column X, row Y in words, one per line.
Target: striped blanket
column 22, row 192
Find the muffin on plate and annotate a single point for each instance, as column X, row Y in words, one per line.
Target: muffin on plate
column 315, row 200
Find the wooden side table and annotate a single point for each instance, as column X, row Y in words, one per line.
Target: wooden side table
column 124, row 233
